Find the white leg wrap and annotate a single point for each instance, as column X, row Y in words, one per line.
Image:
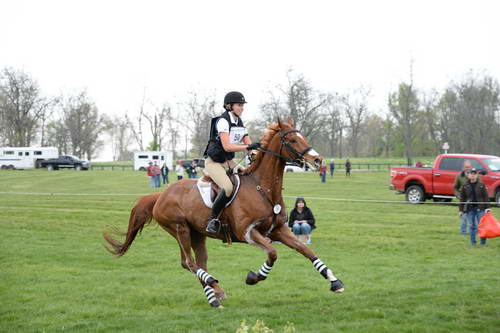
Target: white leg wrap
column 265, row 269
column 204, row 276
column 330, row 275
column 318, row 264
column 209, row 291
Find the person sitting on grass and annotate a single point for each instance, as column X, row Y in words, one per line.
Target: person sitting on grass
column 302, row 221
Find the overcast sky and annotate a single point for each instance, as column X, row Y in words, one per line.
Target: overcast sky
column 116, row 49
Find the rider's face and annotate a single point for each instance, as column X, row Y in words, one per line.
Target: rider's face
column 238, row 109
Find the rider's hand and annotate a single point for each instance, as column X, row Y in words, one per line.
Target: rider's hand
column 253, row 146
column 238, row 168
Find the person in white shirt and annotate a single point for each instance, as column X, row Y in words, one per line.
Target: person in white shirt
column 227, row 136
column 179, row 170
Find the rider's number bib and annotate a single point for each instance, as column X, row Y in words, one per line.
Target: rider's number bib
column 236, row 135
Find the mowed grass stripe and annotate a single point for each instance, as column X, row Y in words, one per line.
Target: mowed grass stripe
column 406, row 268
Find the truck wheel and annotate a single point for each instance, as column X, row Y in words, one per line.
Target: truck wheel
column 415, row 194
column 11, row 167
column 142, row 169
column 78, row 167
column 50, row 167
column 497, row 198
column 3, row 167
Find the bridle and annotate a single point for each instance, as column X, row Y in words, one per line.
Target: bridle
column 297, row 156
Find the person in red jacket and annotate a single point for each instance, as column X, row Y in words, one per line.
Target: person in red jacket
column 151, row 174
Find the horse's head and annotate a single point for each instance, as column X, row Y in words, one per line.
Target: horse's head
column 295, row 146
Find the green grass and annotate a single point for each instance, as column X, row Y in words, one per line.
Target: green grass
column 405, row 267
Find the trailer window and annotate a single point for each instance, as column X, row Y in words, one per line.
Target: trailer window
column 27, row 153
column 37, row 152
column 142, row 156
column 8, row 152
column 155, row 157
column 162, row 157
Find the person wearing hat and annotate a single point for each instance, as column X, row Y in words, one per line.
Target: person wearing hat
column 460, row 180
column 302, row 221
column 474, row 202
column 227, row 136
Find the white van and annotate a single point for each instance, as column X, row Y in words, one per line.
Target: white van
column 142, row 159
column 25, row 157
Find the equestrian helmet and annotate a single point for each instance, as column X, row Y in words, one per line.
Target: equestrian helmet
column 234, row 97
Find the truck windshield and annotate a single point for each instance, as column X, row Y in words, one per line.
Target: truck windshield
column 493, row 164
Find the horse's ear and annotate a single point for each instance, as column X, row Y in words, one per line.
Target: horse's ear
column 290, row 121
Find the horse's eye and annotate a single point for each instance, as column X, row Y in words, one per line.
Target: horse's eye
column 293, row 141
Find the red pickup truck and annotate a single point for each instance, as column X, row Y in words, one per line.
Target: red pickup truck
column 437, row 182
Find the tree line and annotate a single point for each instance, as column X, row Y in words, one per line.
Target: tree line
column 417, row 122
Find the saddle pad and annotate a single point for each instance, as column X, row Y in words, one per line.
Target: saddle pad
column 205, row 189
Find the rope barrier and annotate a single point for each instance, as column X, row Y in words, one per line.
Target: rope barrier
column 285, row 196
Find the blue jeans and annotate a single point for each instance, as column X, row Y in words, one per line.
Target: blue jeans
column 463, row 224
column 473, row 217
column 152, row 181
column 323, row 177
column 302, row 229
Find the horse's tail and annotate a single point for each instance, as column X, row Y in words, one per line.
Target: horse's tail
column 141, row 215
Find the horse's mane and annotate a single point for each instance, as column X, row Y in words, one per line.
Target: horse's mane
column 269, row 134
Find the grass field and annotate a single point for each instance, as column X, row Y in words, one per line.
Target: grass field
column 406, row 267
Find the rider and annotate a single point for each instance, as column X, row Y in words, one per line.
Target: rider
column 227, row 135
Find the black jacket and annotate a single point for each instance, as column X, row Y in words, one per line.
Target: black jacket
column 466, row 196
column 306, row 215
column 214, row 148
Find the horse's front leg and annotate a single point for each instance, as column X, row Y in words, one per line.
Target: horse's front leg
column 258, row 240
column 285, row 236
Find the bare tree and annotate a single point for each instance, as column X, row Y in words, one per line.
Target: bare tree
column 21, row 107
column 334, row 125
column 404, row 107
column 84, row 125
column 356, row 108
column 121, row 138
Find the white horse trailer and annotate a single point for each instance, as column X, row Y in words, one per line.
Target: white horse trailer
column 25, row 157
column 142, row 159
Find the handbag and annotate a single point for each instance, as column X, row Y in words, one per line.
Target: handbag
column 488, row 226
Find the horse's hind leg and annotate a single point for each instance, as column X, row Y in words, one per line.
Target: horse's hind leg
column 284, row 235
column 265, row 269
column 182, row 233
column 201, row 256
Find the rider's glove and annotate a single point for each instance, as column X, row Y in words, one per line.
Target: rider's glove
column 253, row 146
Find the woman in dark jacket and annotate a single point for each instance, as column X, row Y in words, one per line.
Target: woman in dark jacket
column 474, row 202
column 302, row 221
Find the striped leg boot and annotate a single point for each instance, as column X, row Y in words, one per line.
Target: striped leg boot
column 335, row 284
column 212, row 300
column 264, row 271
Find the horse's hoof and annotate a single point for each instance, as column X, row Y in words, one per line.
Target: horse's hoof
column 215, row 304
column 221, row 296
column 251, row 278
column 337, row 286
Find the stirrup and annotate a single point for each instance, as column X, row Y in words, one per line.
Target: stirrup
column 213, row 226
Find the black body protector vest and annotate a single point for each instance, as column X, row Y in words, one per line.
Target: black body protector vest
column 214, row 148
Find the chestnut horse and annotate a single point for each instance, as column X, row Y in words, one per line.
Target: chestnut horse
column 256, row 215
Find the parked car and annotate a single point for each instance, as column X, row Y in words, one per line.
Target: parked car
column 294, row 168
column 65, row 162
column 419, row 184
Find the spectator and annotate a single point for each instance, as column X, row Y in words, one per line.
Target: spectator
column 460, row 180
column 179, row 170
column 474, row 202
column 194, row 172
column 322, row 171
column 332, row 167
column 348, row 168
column 302, row 221
column 151, row 174
column 164, row 173
column 157, row 173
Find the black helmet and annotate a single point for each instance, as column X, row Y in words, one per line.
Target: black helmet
column 234, row 97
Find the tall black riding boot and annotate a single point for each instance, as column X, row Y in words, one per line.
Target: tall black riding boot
column 220, row 202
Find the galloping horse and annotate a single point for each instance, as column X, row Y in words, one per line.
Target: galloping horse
column 256, row 215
